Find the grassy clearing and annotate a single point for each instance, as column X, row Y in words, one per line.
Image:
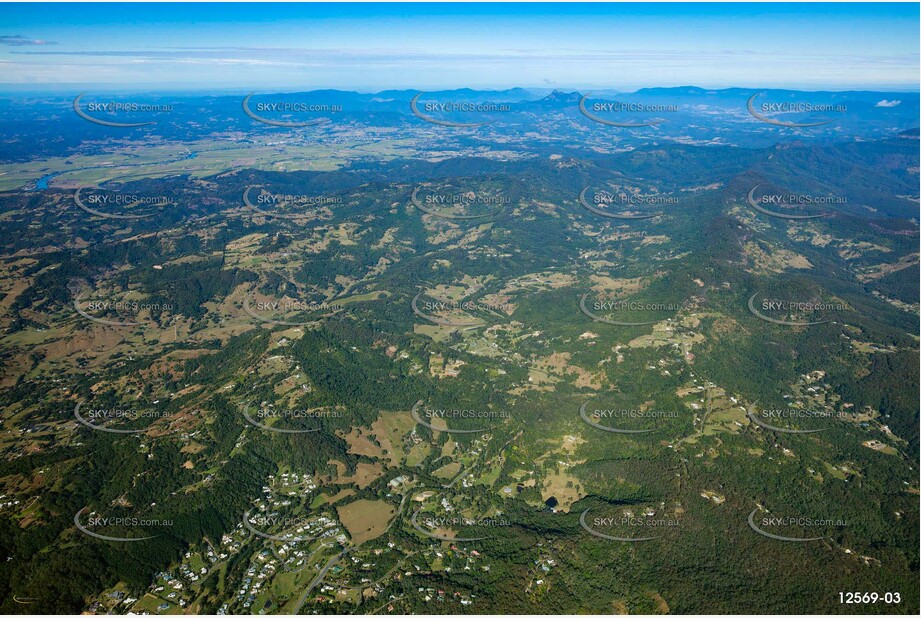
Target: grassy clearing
column 366, row 519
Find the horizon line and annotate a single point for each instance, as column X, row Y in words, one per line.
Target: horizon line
column 143, row 88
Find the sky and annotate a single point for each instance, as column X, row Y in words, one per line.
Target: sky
column 372, row 47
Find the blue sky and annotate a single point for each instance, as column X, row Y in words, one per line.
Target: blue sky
column 377, row 46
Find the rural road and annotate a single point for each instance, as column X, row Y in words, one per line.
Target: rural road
column 319, row 578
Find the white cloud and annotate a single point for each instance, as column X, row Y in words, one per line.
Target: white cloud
column 885, row 103
column 17, row 40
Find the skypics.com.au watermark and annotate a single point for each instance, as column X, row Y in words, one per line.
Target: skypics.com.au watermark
column 276, row 203
column 788, row 312
column 273, row 311
column 634, row 522
column 264, row 415
column 632, row 305
column 128, row 312
column 768, row 204
column 253, row 523
column 626, row 527
column 602, row 310
column 422, row 415
column 448, row 413
column 794, row 413
column 629, row 199
column 446, row 204
column 768, row 112
column 768, row 418
column 611, row 419
column 440, row 112
column 268, row 413
column 601, row 200
column 135, row 522
column 275, row 113
column 800, row 306
column 796, row 529
column 125, row 206
column 449, row 522
column 286, row 306
column 462, row 305
column 98, row 419
column 615, row 113
column 467, row 525
column 117, row 113
column 799, row 199
column 119, row 523
column 425, row 308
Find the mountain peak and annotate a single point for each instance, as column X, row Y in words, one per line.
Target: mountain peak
column 560, row 96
